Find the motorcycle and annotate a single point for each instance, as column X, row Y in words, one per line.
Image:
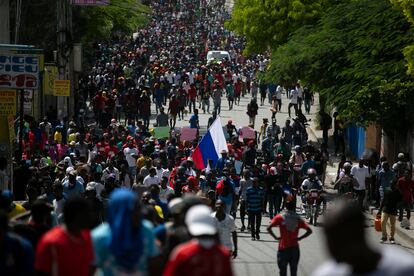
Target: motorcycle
column 312, row 206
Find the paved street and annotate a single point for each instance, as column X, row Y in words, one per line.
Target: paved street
column 259, row 257
column 106, row 176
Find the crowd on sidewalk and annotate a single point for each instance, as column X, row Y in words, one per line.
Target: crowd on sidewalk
column 111, row 198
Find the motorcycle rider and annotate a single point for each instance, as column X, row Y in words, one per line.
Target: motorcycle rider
column 312, row 183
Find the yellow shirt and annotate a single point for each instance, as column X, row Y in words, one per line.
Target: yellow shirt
column 16, row 210
column 58, row 137
column 141, row 161
column 72, row 137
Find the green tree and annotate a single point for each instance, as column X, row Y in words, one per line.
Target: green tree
column 266, row 24
column 408, row 8
column 353, row 58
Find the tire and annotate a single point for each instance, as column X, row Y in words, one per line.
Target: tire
column 315, row 216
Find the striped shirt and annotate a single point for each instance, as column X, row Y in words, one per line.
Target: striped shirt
column 254, row 199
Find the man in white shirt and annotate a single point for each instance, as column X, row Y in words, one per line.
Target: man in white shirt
column 110, row 170
column 245, row 183
column 226, row 228
column 186, row 87
column 152, row 178
column 159, row 170
column 99, row 187
column 131, row 155
column 59, row 200
column 165, row 190
column 360, row 173
column 169, row 76
column 279, row 91
column 350, row 251
column 300, row 95
column 46, row 127
column 293, row 101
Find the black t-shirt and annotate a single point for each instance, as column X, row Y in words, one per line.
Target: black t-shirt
column 391, row 201
column 273, row 184
column 249, row 156
column 171, row 151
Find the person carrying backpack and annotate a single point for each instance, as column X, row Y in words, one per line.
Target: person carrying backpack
column 252, row 108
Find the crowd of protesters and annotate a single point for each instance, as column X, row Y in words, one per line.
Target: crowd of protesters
column 100, row 193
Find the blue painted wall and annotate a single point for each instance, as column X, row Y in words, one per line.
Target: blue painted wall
column 355, row 139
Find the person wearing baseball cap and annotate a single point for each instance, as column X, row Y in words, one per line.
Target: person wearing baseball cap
column 203, row 255
column 221, row 162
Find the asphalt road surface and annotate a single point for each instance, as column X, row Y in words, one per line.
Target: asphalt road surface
column 258, row 258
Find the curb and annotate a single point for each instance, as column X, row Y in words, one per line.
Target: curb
column 398, row 231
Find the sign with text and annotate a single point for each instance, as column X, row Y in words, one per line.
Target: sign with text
column 61, row 88
column 19, row 71
column 51, row 74
column 7, row 103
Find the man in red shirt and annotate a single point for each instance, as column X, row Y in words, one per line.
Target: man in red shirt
column 173, row 110
column 99, row 105
column 406, row 187
column 67, row 249
column 192, row 95
column 203, row 255
column 289, row 223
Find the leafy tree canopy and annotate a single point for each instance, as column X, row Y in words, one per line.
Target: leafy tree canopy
column 408, row 8
column 268, row 23
column 353, row 58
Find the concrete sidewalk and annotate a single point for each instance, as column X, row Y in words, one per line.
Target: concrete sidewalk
column 315, row 135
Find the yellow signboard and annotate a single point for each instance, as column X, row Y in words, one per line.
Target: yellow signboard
column 51, row 74
column 61, row 88
column 7, row 103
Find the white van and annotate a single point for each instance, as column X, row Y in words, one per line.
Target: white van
column 217, row 56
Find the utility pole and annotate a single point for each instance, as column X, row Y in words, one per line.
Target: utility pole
column 64, row 54
column 5, row 21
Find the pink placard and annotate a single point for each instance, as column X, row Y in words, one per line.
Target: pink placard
column 188, row 134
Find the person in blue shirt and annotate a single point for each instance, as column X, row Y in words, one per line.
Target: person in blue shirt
column 254, row 202
column 226, row 190
column 194, row 120
column 72, row 187
column 221, row 162
column 308, row 164
column 385, row 178
column 125, row 244
column 131, row 127
column 272, row 91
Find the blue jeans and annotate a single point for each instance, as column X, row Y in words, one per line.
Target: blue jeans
column 132, row 172
column 289, row 256
column 274, row 204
